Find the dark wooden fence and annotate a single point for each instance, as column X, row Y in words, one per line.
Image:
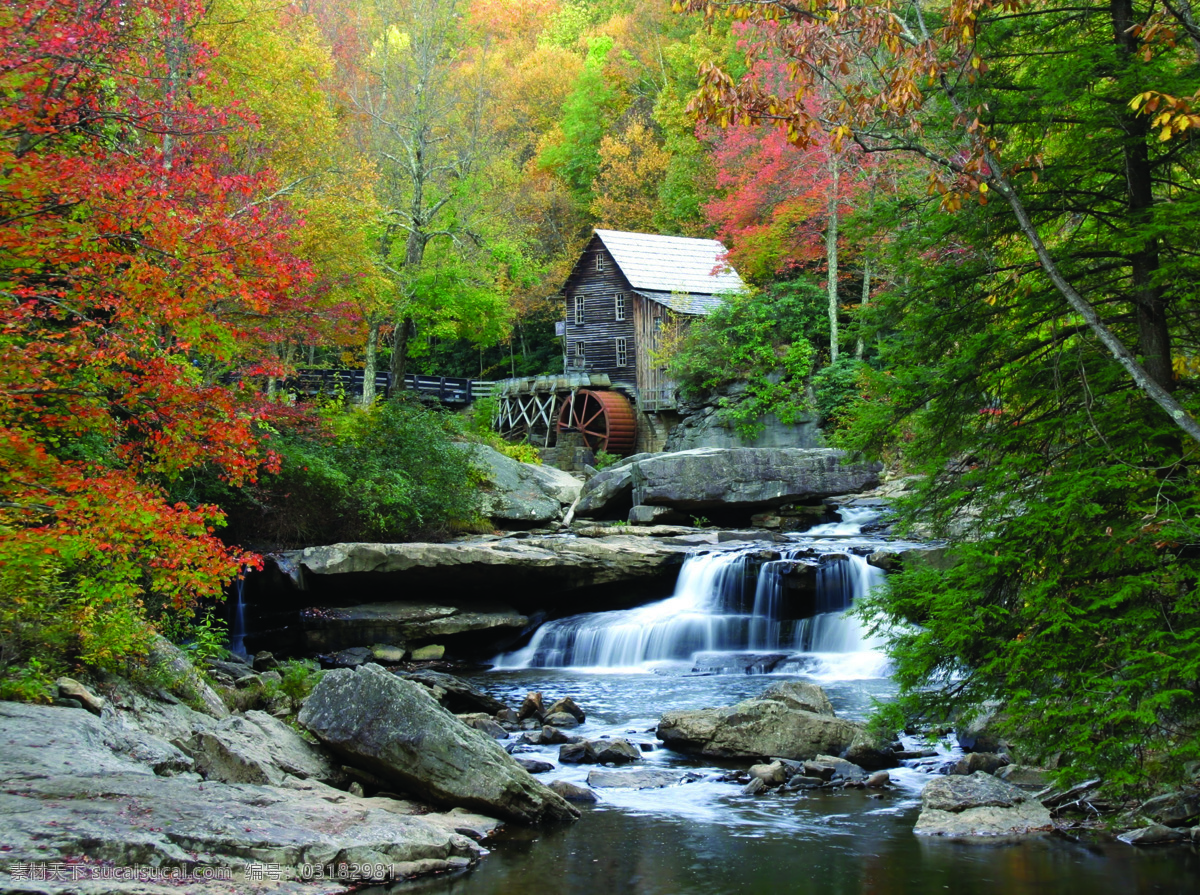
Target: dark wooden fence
column 447, row 389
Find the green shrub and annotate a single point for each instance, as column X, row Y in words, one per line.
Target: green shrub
column 388, row 472
column 835, row 387
column 757, row 338
column 604, row 459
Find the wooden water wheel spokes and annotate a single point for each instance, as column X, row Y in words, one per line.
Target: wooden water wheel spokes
column 606, row 420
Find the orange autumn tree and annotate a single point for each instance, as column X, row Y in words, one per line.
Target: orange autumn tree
column 140, row 276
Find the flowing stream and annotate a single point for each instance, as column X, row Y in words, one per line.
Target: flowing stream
column 627, row 668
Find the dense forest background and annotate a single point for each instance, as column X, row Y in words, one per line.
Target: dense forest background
column 971, row 227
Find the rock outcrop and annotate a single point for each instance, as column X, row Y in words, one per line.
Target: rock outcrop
column 397, row 731
column 409, row 621
column 791, row 720
column 979, row 805
column 730, row 479
column 522, row 493
column 93, row 791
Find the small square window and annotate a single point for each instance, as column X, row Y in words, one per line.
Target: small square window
column 601, row 261
column 579, row 307
column 622, row 353
column 579, row 351
column 619, row 306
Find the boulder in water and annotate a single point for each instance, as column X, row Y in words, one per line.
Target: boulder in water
column 573, row 793
column 633, row 778
column 769, row 725
column 561, row 719
column 394, row 729
column 979, row 805
column 531, row 707
column 568, row 705
column 615, row 751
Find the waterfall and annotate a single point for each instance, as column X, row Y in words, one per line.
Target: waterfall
column 237, row 627
column 708, row 613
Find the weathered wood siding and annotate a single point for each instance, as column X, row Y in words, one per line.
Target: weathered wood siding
column 600, row 328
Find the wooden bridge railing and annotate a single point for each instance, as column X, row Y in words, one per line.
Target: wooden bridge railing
column 447, row 389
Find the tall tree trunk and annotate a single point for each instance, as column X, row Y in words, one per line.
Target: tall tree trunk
column 1154, row 334
column 831, row 257
column 404, row 333
column 369, row 363
column 866, row 297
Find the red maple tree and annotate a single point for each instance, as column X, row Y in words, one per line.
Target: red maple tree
column 137, row 274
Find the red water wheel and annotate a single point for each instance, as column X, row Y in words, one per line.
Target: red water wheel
column 606, row 420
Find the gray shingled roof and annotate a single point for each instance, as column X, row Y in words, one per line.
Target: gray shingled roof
column 672, row 264
column 683, row 302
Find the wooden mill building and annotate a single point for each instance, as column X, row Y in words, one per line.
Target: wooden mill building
column 624, row 290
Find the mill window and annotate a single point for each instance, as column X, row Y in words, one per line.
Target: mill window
column 579, row 310
column 601, row 262
column 619, row 306
column 622, row 353
column 579, row 351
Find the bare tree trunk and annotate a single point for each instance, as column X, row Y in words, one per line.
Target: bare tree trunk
column 831, row 257
column 369, row 363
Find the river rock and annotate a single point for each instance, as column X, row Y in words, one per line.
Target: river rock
column 870, row 754
column 633, row 778
column 561, row 719
column 979, row 805
column 1155, row 834
column 568, row 705
column 347, row 628
column 772, row 774
column 736, row 663
column 747, row 478
column 988, row 762
column 800, row 695
column 1024, row 776
column 609, row 493
column 828, row 766
column 521, row 492
column 507, row 569
column 258, row 748
column 879, row 780
column 393, row 728
column 573, row 793
column 183, row 680
column 643, row 515
column 485, row 723
column 1174, row 809
column 69, row 688
column 614, row 751
column 531, row 707
column 66, row 794
column 770, row 725
column 457, row 695
column 430, row 653
column 754, row 787
column 388, row 653
column 533, row 765
column 350, row 658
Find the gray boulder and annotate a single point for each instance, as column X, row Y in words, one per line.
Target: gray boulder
column 344, row 629
column 644, row 515
column 979, row 805
column 455, row 694
column 573, row 793
column 521, row 492
column 608, row 493
column 747, row 478
column 259, row 748
column 988, row 762
column 1155, row 834
column 614, row 751
column 71, row 787
column 394, row 729
column 633, row 778
column 770, row 725
column 1174, row 809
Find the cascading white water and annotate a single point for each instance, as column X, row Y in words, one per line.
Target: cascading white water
column 707, row 613
column 237, row 630
column 695, row 618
